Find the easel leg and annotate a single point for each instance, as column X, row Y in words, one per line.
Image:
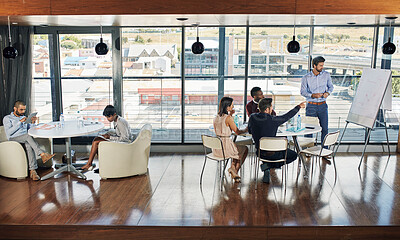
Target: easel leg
column 387, row 138
column 344, row 130
column 365, row 146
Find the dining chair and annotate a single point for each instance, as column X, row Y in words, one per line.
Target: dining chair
column 273, row 144
column 211, row 142
column 320, row 151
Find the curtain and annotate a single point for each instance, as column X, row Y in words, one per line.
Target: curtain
column 15, row 74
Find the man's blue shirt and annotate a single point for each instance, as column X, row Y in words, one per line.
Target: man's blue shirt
column 320, row 83
column 14, row 127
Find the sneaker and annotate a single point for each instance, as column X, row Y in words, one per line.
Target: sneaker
column 46, row 157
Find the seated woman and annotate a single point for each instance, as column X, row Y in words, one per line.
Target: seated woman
column 223, row 126
column 122, row 134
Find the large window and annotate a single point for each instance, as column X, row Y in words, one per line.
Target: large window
column 153, row 71
column 85, row 76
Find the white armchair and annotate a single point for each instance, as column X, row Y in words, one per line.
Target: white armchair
column 125, row 159
column 13, row 160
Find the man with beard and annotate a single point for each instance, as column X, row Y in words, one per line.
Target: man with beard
column 316, row 86
column 252, row 106
column 16, row 129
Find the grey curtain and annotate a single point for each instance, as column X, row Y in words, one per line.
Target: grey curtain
column 15, row 74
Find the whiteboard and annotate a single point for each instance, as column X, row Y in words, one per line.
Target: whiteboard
column 369, row 96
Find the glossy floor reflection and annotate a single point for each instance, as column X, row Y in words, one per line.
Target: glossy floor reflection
column 170, row 195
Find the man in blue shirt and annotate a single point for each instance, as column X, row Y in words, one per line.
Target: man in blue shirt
column 263, row 124
column 316, row 86
column 16, row 129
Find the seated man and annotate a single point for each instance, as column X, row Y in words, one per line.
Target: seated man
column 252, row 106
column 263, row 124
column 16, row 129
column 122, row 134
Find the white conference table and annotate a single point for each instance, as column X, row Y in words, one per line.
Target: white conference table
column 70, row 129
column 309, row 129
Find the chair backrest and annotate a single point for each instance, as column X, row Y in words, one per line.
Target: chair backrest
column 3, row 136
column 331, row 138
column 211, row 142
column 310, row 120
column 273, row 143
column 143, row 139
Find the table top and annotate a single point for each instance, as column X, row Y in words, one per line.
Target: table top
column 70, row 129
column 309, row 129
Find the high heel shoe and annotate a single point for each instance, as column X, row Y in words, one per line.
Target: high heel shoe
column 234, row 174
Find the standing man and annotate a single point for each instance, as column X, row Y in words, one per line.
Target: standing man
column 16, row 129
column 316, row 86
column 252, row 106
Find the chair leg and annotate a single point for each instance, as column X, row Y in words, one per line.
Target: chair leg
column 256, row 173
column 334, row 166
column 202, row 171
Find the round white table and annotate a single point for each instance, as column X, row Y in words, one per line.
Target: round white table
column 70, row 129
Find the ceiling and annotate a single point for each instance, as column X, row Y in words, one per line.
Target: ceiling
column 207, row 20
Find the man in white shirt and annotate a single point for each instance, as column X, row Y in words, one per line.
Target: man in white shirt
column 122, row 134
column 16, row 129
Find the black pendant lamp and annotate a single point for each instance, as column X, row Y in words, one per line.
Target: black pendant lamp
column 293, row 46
column 389, row 47
column 10, row 51
column 197, row 47
column 101, row 48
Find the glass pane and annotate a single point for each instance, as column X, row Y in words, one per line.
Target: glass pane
column 206, row 63
column 268, row 53
column 79, row 59
column 151, row 51
column 235, row 44
column 41, row 88
column 86, row 77
column 155, row 101
column 201, row 106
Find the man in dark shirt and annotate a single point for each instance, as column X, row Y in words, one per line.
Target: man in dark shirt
column 263, row 124
column 252, row 106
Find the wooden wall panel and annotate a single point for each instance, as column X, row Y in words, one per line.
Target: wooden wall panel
column 117, row 7
column 24, row 7
column 95, row 7
column 348, row 7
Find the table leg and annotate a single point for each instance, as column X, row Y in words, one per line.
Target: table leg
column 67, row 168
column 298, row 150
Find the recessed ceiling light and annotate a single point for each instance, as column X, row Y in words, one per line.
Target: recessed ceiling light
column 44, row 25
column 351, row 23
column 182, row 19
column 14, row 23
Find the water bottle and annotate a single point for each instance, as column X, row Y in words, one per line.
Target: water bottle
column 236, row 120
column 298, row 127
column 62, row 122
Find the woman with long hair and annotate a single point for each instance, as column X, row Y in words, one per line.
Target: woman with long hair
column 223, row 126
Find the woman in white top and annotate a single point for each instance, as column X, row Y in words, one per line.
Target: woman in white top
column 223, row 126
column 122, row 133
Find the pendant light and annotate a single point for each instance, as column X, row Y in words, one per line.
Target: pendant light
column 389, row 48
column 10, row 51
column 101, row 48
column 197, row 47
column 294, row 46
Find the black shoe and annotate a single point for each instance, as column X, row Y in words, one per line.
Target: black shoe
column 266, row 176
column 96, row 170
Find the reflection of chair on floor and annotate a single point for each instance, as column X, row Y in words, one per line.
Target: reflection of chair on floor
column 13, row 160
column 125, row 159
column 215, row 143
column 319, row 151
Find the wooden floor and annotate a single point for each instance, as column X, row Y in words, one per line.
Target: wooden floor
column 357, row 204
